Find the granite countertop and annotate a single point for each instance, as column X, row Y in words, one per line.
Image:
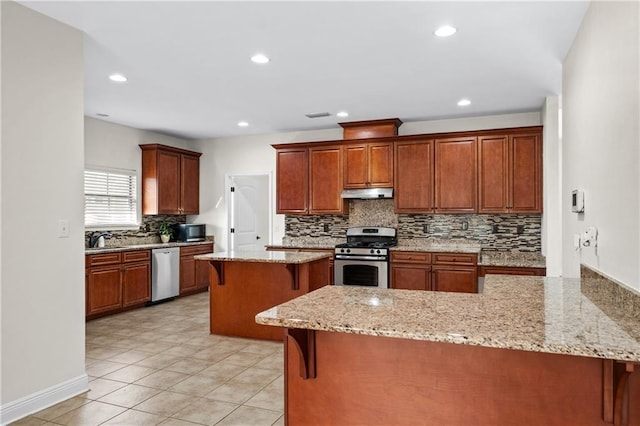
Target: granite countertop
column 537, row 314
column 513, row 259
column 264, row 256
column 143, row 247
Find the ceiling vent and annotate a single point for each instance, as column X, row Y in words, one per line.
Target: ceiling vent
column 318, row 115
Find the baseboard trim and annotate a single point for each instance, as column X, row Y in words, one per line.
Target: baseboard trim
column 15, row 410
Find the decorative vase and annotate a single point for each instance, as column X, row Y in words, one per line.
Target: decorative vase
column 165, row 238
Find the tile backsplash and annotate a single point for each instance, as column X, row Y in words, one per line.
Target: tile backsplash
column 495, row 232
column 146, row 234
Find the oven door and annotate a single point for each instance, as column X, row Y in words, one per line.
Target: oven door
column 369, row 273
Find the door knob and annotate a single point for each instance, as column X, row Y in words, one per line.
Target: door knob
column 257, row 237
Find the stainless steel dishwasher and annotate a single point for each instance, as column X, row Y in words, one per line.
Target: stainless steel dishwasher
column 165, row 274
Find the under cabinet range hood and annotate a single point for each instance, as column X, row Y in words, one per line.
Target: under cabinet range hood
column 367, row 193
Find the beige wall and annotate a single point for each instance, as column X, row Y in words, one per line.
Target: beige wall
column 42, row 276
column 601, row 141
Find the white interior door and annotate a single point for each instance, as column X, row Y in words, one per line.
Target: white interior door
column 250, row 213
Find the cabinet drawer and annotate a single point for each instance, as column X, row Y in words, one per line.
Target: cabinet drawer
column 410, row 257
column 194, row 250
column 136, row 256
column 455, row 258
column 102, row 259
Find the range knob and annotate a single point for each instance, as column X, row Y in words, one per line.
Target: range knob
column 378, row 251
column 341, row 250
column 373, row 251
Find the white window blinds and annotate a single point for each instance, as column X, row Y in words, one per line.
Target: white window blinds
column 110, row 198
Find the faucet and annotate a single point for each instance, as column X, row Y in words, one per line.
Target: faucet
column 94, row 237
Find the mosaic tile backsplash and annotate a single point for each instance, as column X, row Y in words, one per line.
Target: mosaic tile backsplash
column 146, row 234
column 495, row 232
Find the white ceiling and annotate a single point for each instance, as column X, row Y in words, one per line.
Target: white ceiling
column 189, row 72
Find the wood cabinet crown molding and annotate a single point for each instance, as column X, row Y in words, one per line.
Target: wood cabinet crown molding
column 153, row 146
column 407, row 138
column 371, row 128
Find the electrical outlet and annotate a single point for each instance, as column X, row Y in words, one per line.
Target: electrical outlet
column 465, row 225
column 63, row 228
column 326, row 227
column 494, row 229
column 425, row 229
column 520, row 229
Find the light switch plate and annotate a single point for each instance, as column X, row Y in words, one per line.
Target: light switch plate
column 63, row 228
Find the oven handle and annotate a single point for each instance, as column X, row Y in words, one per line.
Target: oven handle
column 351, row 257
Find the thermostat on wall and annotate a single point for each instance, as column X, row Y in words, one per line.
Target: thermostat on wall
column 577, row 201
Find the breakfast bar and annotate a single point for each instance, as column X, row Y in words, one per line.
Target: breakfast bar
column 244, row 283
column 526, row 351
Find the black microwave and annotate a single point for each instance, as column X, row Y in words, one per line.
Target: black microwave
column 187, row 232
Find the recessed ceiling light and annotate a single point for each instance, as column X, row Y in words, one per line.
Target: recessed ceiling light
column 464, row 102
column 118, row 78
column 445, row 31
column 343, row 114
column 242, row 124
column 259, row 59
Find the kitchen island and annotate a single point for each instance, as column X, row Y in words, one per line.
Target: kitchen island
column 244, row 283
column 528, row 351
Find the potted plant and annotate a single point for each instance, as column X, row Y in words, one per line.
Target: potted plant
column 165, row 232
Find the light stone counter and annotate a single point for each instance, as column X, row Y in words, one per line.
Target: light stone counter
column 512, row 259
column 536, row 314
column 264, row 256
column 149, row 246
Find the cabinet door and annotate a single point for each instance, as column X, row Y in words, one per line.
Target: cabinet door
column 189, row 185
column 325, row 165
column 356, row 170
column 187, row 274
column 455, row 278
column 292, row 180
column 414, row 177
column 526, row 173
column 493, row 173
column 380, row 164
column 455, row 171
column 104, row 289
column 202, row 274
column 168, row 175
column 410, row 277
column 136, row 284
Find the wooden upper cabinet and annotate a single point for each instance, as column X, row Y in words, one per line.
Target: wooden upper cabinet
column 525, row 160
column 190, row 193
column 325, row 181
column 455, row 175
column 292, row 180
column 493, row 173
column 510, row 173
column 413, row 176
column 170, row 180
column 368, row 165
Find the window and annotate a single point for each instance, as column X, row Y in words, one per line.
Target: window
column 110, row 198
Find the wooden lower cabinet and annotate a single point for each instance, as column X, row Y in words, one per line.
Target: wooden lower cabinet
column 462, row 279
column 455, row 272
column 103, row 289
column 121, row 280
column 194, row 275
column 411, row 277
column 135, row 284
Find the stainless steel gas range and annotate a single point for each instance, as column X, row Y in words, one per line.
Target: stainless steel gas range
column 364, row 259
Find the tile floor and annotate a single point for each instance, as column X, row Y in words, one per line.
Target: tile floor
column 160, row 366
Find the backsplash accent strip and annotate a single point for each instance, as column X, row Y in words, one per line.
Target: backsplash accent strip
column 495, row 232
column 146, row 234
